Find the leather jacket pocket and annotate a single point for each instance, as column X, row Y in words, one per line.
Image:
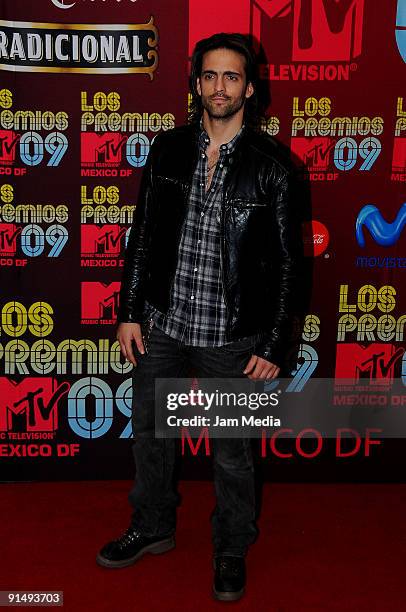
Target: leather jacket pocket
column 240, row 203
column 240, row 346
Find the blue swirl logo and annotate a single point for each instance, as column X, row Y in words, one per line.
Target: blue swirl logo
column 401, row 28
column 384, row 233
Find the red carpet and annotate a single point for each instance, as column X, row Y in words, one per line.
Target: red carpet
column 322, row 547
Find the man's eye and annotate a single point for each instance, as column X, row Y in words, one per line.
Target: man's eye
column 232, row 77
column 208, row 76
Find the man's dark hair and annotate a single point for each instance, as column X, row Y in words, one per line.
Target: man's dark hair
column 235, row 42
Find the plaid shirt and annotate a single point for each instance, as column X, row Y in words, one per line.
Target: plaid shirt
column 197, row 312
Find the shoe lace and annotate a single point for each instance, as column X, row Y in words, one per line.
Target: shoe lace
column 128, row 537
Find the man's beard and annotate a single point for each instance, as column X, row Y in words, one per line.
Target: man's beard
column 224, row 112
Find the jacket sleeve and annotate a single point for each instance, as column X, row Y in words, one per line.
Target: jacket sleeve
column 274, row 344
column 134, row 276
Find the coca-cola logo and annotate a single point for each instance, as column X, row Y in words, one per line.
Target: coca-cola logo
column 62, row 5
column 315, row 238
column 318, row 238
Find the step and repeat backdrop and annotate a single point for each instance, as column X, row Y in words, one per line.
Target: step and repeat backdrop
column 85, row 86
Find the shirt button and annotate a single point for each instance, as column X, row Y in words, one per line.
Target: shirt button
column 221, row 165
column 198, row 242
column 202, row 214
column 201, row 184
column 192, row 297
column 195, row 269
column 203, row 155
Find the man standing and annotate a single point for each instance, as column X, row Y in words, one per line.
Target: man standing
column 208, row 283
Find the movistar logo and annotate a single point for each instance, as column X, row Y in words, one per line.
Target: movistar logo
column 401, row 28
column 384, row 233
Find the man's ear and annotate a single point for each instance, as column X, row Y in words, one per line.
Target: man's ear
column 198, row 86
column 250, row 90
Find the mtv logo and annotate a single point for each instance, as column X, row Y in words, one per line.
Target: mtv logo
column 105, row 240
column 374, row 363
column 100, row 300
column 327, row 30
column 101, row 148
column 322, row 30
column 30, row 405
column 221, row 16
column 401, row 28
column 315, row 152
column 399, row 155
column 8, row 143
column 8, row 239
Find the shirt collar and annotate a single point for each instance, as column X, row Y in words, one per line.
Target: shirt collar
column 228, row 147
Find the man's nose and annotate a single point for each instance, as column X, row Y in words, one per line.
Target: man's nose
column 219, row 84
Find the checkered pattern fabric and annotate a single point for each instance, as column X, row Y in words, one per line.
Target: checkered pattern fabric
column 197, row 312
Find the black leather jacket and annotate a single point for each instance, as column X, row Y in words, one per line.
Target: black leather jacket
column 258, row 230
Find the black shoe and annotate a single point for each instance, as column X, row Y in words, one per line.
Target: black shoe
column 132, row 545
column 229, row 578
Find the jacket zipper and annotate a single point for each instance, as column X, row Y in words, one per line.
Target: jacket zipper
column 147, row 331
column 221, row 255
column 178, row 242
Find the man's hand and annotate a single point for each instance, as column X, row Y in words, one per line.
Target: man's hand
column 126, row 333
column 261, row 369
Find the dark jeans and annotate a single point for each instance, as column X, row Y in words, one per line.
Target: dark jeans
column 153, row 496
